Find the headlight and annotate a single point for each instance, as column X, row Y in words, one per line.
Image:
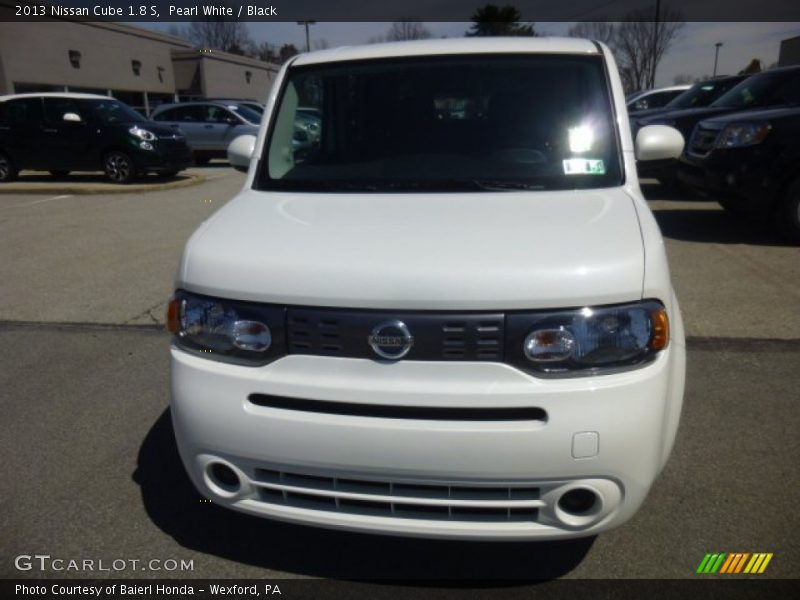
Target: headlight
column 227, row 330
column 587, row 341
column 142, row 134
column 737, row 135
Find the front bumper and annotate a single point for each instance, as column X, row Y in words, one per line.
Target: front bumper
column 165, row 157
column 424, row 477
column 733, row 175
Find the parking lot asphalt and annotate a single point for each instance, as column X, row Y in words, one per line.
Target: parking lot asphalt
column 90, row 468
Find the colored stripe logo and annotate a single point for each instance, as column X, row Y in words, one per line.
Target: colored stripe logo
column 734, row 563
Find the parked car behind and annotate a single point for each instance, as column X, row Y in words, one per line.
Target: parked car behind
column 655, row 98
column 84, row 132
column 773, row 88
column 750, row 163
column 209, row 126
column 701, row 94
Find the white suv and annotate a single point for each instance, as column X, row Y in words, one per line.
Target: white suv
column 450, row 316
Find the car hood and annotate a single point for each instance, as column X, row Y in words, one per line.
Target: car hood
column 694, row 114
column 157, row 128
column 488, row 251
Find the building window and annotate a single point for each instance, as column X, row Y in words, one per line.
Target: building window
column 161, row 74
column 75, row 59
column 248, row 75
column 136, row 65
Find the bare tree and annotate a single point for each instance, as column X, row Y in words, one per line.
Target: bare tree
column 216, row 33
column 640, row 45
column 287, row 51
column 407, row 29
column 602, row 31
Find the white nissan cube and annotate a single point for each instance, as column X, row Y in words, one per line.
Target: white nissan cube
column 440, row 306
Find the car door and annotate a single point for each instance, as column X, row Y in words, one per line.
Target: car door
column 66, row 141
column 21, row 133
column 228, row 126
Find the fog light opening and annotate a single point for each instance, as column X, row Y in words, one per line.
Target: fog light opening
column 224, row 477
column 579, row 502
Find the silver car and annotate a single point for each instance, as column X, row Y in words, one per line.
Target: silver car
column 209, row 126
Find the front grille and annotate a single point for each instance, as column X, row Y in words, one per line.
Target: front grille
column 387, row 411
column 386, row 498
column 702, row 141
column 345, row 333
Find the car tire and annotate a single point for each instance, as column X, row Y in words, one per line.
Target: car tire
column 119, row 167
column 733, row 208
column 787, row 214
column 7, row 170
column 59, row 173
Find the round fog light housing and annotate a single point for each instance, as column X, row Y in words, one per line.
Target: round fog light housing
column 145, row 145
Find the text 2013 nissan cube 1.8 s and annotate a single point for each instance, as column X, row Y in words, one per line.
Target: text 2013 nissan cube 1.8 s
column 450, row 315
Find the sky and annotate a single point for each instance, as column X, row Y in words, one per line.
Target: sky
column 692, row 53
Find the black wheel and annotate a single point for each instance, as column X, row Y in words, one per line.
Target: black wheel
column 733, row 208
column 59, row 173
column 119, row 167
column 787, row 214
column 7, row 170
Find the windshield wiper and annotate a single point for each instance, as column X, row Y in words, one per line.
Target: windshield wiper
column 500, row 185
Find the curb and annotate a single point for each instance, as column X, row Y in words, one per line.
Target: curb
column 86, row 189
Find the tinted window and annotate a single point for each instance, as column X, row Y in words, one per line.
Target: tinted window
column 186, row 114
column 112, row 111
column 247, row 112
column 702, row 94
column 445, row 123
column 759, row 90
column 217, row 114
column 24, row 111
column 56, row 108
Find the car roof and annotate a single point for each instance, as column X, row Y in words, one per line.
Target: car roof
column 468, row 45
column 223, row 103
column 75, row 96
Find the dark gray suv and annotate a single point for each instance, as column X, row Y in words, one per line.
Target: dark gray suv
column 209, row 126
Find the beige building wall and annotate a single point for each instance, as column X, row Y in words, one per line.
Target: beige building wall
column 39, row 53
column 214, row 74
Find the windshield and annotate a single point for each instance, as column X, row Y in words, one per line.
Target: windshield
column 755, row 91
column 446, row 123
column 247, row 113
column 701, row 94
column 113, row 111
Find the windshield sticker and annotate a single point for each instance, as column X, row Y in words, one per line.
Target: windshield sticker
column 584, row 166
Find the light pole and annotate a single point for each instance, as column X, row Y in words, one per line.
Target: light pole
column 307, row 23
column 716, row 56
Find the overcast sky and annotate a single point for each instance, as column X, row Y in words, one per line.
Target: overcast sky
column 692, row 53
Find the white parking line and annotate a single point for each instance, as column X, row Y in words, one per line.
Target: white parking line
column 39, row 201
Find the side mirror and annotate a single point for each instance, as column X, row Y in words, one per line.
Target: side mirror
column 71, row 117
column 658, row 142
column 240, row 151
